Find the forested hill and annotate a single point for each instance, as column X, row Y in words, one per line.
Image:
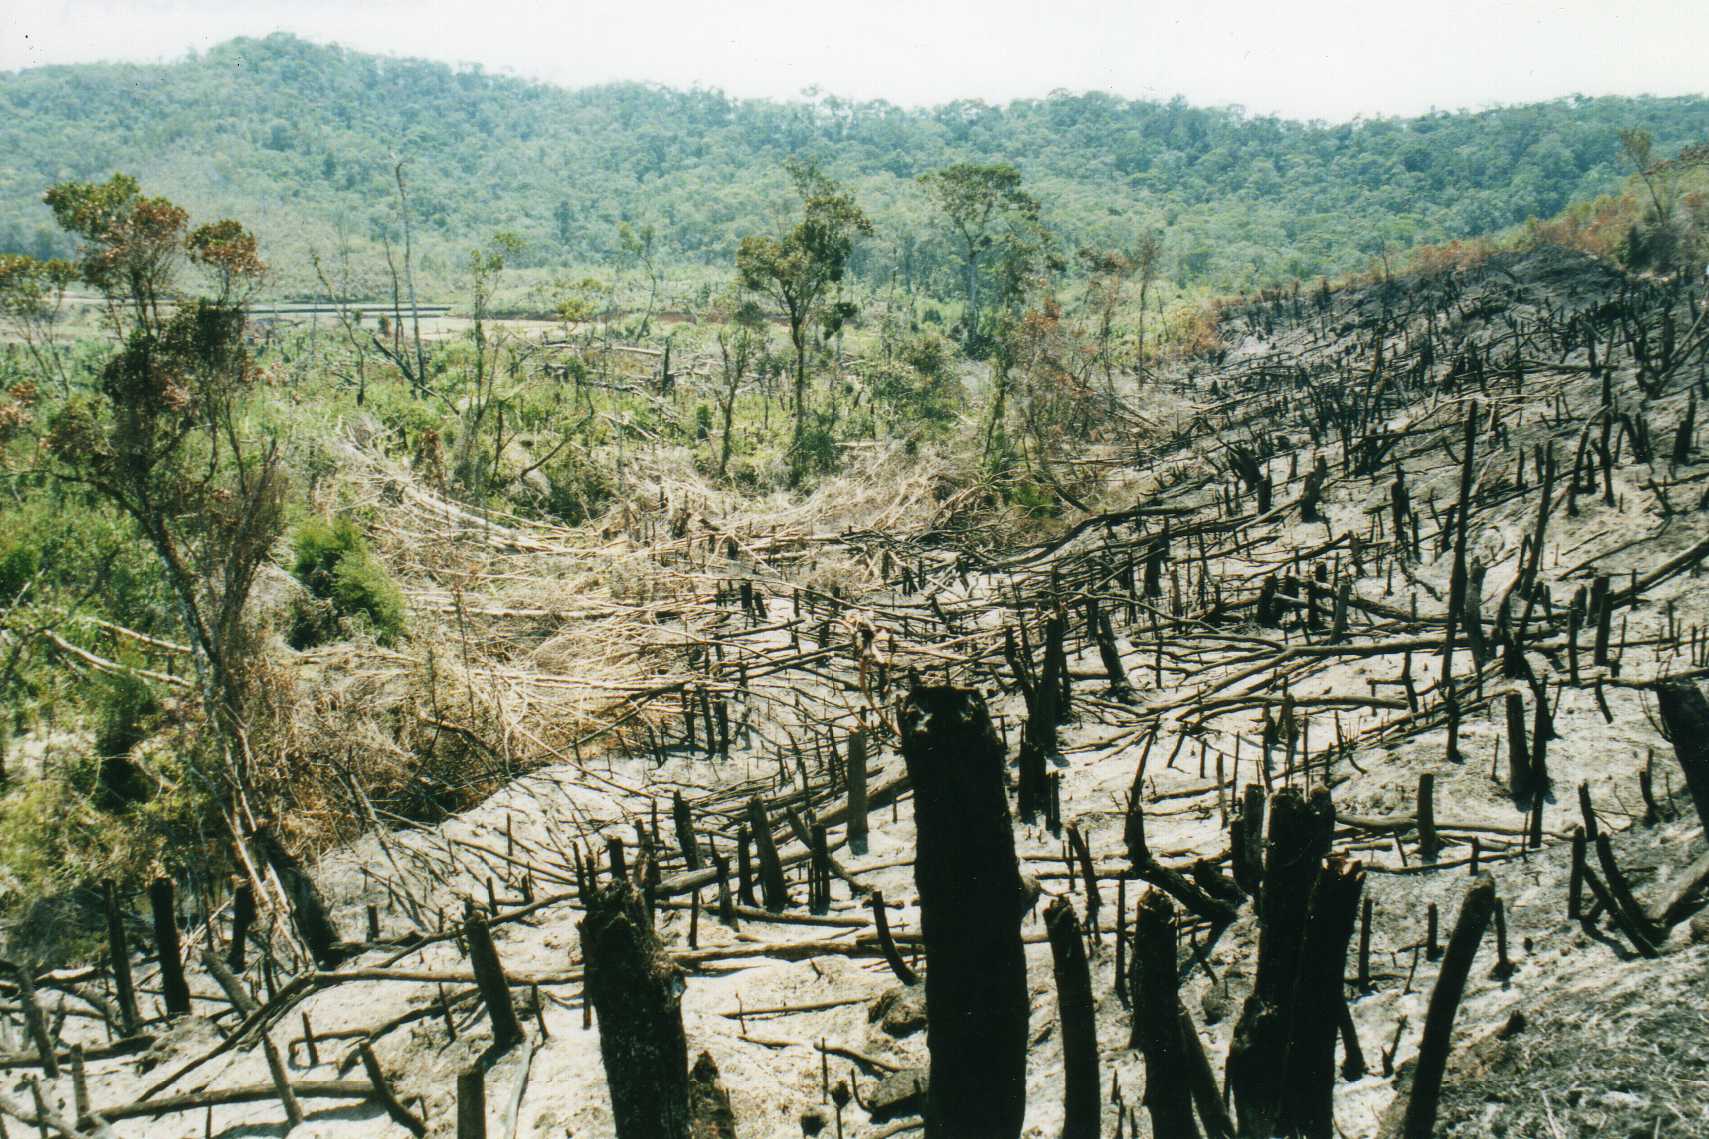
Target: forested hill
column 296, row 138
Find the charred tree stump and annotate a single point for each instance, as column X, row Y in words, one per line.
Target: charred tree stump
column 971, row 905
column 772, row 886
column 495, row 990
column 1475, row 914
column 709, row 1112
column 472, row 1103
column 308, row 908
column 1320, row 999
column 1299, row 838
column 119, row 957
column 857, row 793
column 1457, row 583
column 1428, row 843
column 1518, row 752
column 636, row 991
column 1685, row 714
column 173, row 989
column 1038, row 737
column 1157, row 1022
column 684, row 820
column 1247, row 841
column 242, row 917
column 34, row 1022
column 1080, row 1104
column 1120, row 690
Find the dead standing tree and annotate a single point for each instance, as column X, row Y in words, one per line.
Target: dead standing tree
column 636, row 991
column 1299, row 838
column 971, row 903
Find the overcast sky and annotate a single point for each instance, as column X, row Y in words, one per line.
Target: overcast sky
column 1330, row 59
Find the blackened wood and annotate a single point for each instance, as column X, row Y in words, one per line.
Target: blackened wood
column 1157, row 1023
column 636, row 990
column 971, row 903
column 1080, row 1101
column 1248, row 842
column 1632, row 915
column 173, row 989
column 857, row 792
column 1299, row 838
column 745, row 868
column 242, row 918
column 887, row 944
column 1475, row 913
column 1319, row 999
column 1089, row 875
column 393, row 1106
column 282, row 1083
column 1111, row 655
column 1038, row 737
column 709, row 1111
column 1201, row 1081
column 726, row 903
column 1685, row 714
column 684, row 820
column 495, row 989
column 34, row 1022
column 1146, row 866
column 1428, row 845
column 1518, row 752
column 1457, row 581
column 119, row 958
column 308, row 908
column 1353, row 1057
column 772, row 886
column 472, row 1103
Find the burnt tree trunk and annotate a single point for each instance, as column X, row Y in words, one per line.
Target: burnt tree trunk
column 495, row 989
column 173, row 989
column 1080, row 1105
column 1319, row 1000
column 1685, row 713
column 1299, row 838
column 636, row 991
column 1038, row 737
column 308, row 908
column 971, row 904
column 119, row 957
column 1157, row 1021
column 709, row 1113
column 772, row 886
column 1475, row 914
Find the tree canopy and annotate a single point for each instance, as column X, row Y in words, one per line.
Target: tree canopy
column 300, row 139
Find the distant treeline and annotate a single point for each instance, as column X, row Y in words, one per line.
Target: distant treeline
column 298, row 139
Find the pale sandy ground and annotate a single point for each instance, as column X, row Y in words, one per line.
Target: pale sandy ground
column 773, row 1071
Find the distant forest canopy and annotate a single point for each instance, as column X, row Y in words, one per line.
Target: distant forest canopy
column 298, row 140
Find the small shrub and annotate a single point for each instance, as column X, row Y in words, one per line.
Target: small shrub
column 363, row 590
column 345, row 583
column 577, row 489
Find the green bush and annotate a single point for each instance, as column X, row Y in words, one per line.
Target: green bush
column 578, row 489
column 345, row 582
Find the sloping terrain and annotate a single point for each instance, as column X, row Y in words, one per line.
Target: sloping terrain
column 1294, row 640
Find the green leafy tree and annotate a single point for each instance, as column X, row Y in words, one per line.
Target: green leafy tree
column 800, row 271
column 169, row 440
column 31, row 294
column 974, row 198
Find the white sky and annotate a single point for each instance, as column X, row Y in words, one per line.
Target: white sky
column 1330, row 59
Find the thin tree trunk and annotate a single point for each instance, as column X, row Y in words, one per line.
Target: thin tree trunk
column 1080, row 1101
